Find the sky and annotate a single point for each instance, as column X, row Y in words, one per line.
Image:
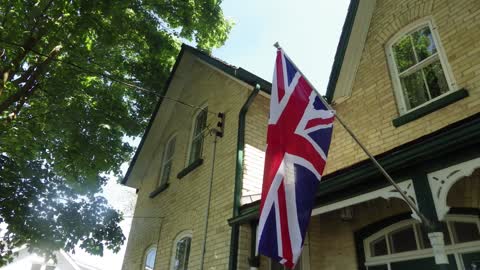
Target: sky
column 307, row 30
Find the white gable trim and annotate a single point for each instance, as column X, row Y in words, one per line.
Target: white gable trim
column 353, row 54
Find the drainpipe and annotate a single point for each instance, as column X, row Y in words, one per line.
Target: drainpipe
column 237, row 193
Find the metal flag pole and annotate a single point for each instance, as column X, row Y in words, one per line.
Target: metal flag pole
column 410, row 203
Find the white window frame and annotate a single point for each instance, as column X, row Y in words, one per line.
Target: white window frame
column 166, row 159
column 453, row 248
column 397, row 86
column 145, row 255
column 179, row 237
column 192, row 132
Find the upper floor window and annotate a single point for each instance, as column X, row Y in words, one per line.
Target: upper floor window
column 167, row 160
column 149, row 261
column 418, row 66
column 200, row 122
column 182, row 251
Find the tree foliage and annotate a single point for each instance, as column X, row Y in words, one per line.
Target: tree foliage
column 64, row 113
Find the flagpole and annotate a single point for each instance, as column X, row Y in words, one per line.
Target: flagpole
column 365, row 150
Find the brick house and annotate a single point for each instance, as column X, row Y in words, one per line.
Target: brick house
column 406, row 78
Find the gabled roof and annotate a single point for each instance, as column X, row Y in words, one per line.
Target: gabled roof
column 349, row 49
column 230, row 70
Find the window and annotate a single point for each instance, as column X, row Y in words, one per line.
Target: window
column 199, row 125
column 167, row 161
column 403, row 240
column 418, row 67
column 181, row 251
column 407, row 242
column 150, row 255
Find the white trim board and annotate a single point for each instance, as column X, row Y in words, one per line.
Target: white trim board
column 386, row 193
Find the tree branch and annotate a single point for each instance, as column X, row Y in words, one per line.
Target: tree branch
column 29, row 87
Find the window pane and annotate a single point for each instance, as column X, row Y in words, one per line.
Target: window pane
column 437, row 84
column 200, row 122
column 403, row 240
column 465, row 231
column 197, row 139
column 379, row 247
column 404, row 55
column 167, row 168
column 414, row 89
column 424, row 44
column 196, row 151
column 150, row 259
column 182, row 254
column 171, row 148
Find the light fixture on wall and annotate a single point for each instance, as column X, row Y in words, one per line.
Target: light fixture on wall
column 346, row 213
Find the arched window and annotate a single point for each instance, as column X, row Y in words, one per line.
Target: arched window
column 167, row 160
column 181, row 251
column 406, row 244
column 418, row 66
column 196, row 143
column 149, row 260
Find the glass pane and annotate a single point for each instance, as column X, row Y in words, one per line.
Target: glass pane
column 171, row 148
column 465, row 231
column 404, row 55
column 183, row 252
column 150, row 260
column 196, row 151
column 426, row 240
column 424, row 44
column 437, row 84
column 414, row 89
column 166, row 173
column 403, row 240
column 379, row 247
column 200, row 122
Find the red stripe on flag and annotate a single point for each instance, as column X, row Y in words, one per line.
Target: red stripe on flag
column 319, row 121
column 282, row 204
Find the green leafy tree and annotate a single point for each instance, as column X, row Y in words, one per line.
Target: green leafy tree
column 65, row 110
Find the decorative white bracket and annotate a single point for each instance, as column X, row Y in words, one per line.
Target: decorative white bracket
column 385, row 193
column 441, row 181
column 408, row 189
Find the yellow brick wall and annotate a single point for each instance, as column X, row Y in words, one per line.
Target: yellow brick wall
column 372, row 106
column 255, row 138
column 182, row 205
column 370, row 111
column 332, row 240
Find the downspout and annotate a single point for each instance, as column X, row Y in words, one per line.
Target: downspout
column 237, row 193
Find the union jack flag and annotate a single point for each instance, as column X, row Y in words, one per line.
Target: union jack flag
column 298, row 139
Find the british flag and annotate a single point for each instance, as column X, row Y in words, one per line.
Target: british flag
column 298, row 139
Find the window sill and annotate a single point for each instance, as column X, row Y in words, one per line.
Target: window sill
column 158, row 190
column 431, row 107
column 190, row 168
